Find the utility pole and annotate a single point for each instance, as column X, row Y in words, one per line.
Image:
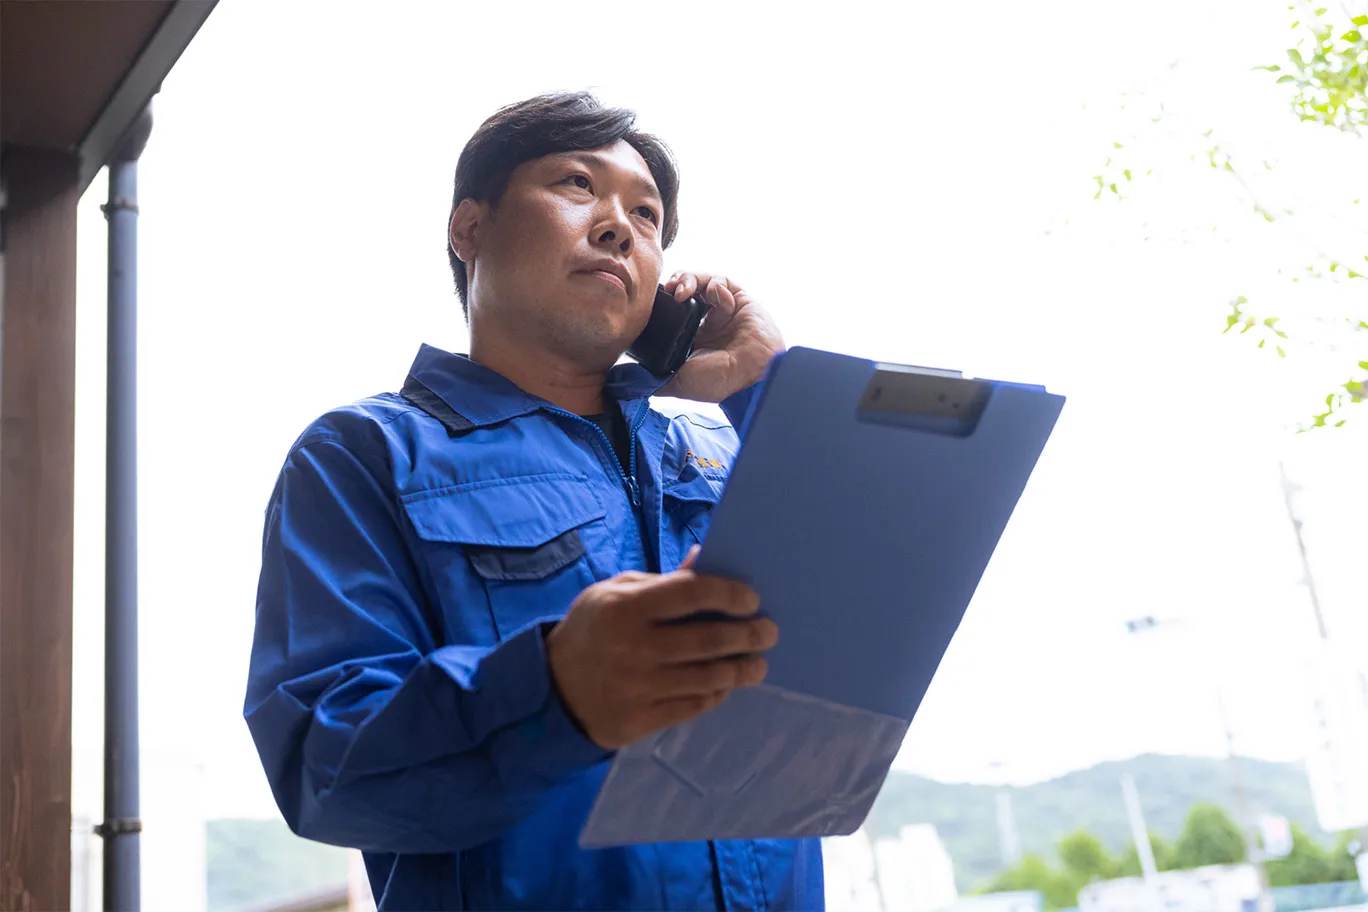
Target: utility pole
column 1140, row 833
column 1289, row 493
column 1008, row 842
column 1290, row 489
column 1253, row 850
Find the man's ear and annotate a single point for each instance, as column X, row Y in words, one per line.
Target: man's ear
column 464, row 228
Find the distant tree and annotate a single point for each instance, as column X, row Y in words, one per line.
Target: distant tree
column 1033, row 873
column 1342, row 867
column 1307, row 863
column 1085, row 857
column 1209, row 837
column 1129, row 863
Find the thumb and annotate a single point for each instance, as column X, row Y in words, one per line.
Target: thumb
column 691, row 558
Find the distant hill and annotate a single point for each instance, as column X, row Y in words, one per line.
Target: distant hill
column 255, row 861
column 966, row 815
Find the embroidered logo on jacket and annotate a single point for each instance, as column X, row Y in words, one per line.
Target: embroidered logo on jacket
column 703, row 461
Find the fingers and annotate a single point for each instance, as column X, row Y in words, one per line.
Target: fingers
column 683, row 284
column 719, row 295
column 681, row 709
column 718, row 290
column 703, row 678
column 682, row 593
column 703, row 641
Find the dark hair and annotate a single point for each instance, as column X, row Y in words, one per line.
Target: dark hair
column 558, row 122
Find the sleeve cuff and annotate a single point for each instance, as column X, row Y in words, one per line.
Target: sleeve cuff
column 737, row 407
column 544, row 738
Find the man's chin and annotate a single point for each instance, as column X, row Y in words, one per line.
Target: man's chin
column 593, row 341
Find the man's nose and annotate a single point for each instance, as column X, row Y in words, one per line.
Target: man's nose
column 612, row 229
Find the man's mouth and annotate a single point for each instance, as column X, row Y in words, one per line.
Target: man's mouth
column 608, row 270
column 605, row 276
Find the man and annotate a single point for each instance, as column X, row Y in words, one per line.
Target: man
column 466, row 586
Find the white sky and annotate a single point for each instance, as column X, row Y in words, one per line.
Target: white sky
column 883, row 177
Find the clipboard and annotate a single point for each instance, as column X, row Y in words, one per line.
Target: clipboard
column 863, row 507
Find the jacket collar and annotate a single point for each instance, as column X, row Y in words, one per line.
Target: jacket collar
column 483, row 397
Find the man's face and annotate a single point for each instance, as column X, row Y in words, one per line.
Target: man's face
column 571, row 256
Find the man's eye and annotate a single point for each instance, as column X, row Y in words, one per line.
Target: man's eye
column 648, row 212
column 579, row 180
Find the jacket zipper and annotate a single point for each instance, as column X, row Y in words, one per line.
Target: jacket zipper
column 626, row 476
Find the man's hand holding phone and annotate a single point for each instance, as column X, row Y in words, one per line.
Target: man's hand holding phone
column 734, row 346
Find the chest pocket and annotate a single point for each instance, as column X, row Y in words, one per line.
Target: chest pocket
column 524, row 543
column 688, row 506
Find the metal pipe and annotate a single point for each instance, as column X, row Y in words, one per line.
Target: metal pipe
column 121, row 826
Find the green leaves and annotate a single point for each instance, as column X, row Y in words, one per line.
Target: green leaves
column 1330, row 78
column 1307, row 863
column 1327, row 75
column 1210, row 837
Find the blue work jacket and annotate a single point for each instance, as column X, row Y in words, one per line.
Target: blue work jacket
column 418, row 546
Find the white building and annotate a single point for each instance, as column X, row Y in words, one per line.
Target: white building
column 1218, row 888
column 1337, row 755
column 849, row 873
column 912, row 873
column 916, row 873
column 999, row 902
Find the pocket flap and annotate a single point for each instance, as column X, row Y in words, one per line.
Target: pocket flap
column 520, row 512
column 695, row 487
column 509, row 563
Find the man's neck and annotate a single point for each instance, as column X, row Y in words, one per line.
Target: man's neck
column 546, row 376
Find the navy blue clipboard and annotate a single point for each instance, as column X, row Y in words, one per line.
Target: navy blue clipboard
column 863, row 507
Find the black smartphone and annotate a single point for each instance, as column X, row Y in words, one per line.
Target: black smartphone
column 666, row 342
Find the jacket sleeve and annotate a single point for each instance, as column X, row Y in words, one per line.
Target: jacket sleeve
column 371, row 735
column 737, row 407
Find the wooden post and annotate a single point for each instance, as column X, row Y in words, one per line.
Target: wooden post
column 37, row 430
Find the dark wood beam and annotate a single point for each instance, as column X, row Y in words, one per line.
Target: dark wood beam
column 37, row 430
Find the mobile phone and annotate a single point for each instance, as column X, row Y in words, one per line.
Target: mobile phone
column 666, row 342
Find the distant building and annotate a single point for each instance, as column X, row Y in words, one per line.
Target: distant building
column 1347, row 896
column 1218, row 888
column 915, row 872
column 850, row 881
column 1023, row 901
